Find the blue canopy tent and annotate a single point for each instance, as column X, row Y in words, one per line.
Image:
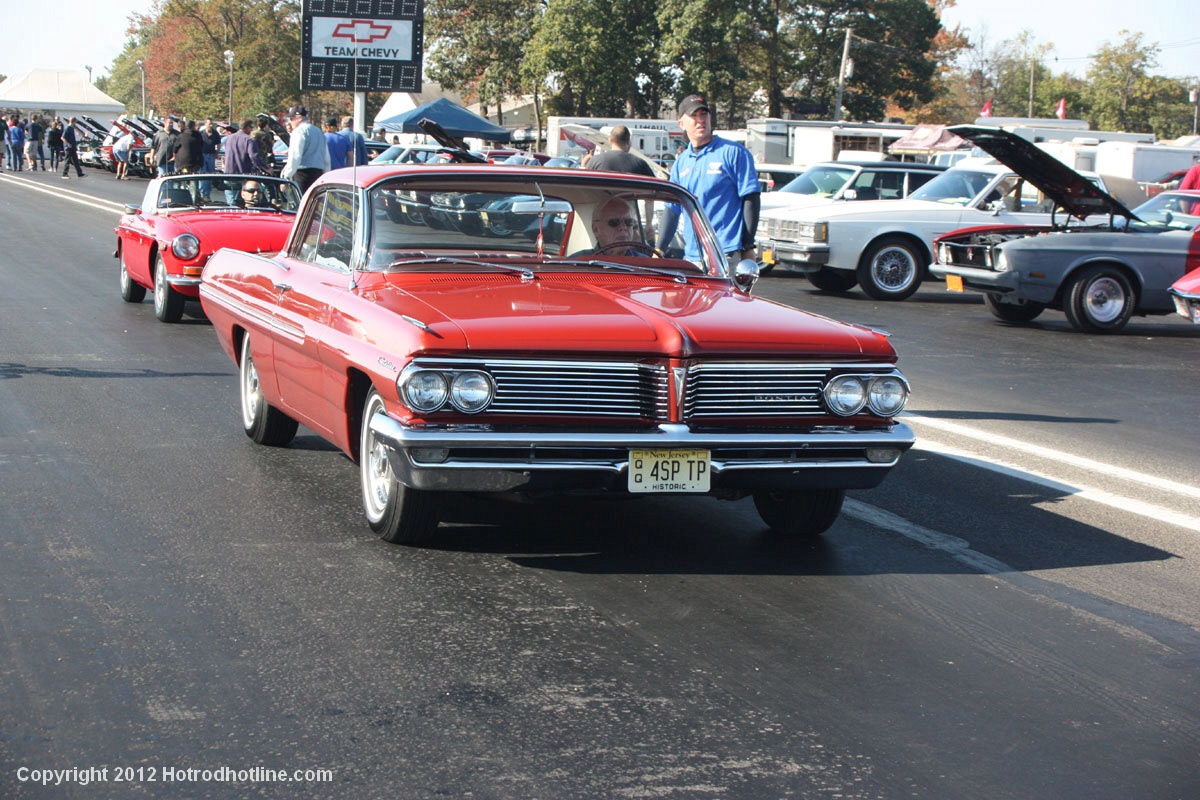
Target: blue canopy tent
column 453, row 118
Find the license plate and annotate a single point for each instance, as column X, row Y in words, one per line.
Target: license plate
column 954, row 283
column 669, row 470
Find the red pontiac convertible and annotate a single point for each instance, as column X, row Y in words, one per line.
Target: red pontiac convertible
column 497, row 329
column 183, row 219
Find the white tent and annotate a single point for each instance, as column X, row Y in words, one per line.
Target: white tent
column 57, row 93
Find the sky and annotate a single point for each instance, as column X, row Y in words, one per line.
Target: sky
column 77, row 33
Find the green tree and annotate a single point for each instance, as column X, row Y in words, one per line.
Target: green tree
column 1120, row 91
column 477, row 46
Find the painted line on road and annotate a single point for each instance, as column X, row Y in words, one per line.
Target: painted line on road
column 1057, row 455
column 63, row 193
column 1127, row 504
column 958, row 549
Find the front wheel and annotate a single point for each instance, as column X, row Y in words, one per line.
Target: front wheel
column 1024, row 311
column 1100, row 300
column 262, row 423
column 891, row 269
column 803, row 514
column 168, row 303
column 399, row 514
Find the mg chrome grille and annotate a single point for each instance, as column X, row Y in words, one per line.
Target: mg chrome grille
column 754, row 390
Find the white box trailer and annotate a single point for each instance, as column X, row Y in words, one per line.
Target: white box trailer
column 1143, row 162
column 811, row 142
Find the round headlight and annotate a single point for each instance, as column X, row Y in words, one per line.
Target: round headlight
column 846, row 395
column 425, row 390
column 887, row 396
column 471, row 392
column 186, row 246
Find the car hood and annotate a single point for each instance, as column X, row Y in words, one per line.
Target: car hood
column 1066, row 187
column 252, row 231
column 618, row 314
column 881, row 209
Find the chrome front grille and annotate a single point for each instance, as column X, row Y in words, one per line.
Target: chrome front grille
column 580, row 388
column 641, row 390
column 754, row 390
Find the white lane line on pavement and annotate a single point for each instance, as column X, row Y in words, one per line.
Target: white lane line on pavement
column 1127, row 504
column 958, row 549
column 63, row 193
column 1057, row 455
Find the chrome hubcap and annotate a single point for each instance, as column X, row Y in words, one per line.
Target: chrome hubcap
column 1105, row 300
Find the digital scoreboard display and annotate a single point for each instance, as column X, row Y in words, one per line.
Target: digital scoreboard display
column 362, row 45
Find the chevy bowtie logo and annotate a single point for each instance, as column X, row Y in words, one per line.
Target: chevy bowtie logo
column 361, row 31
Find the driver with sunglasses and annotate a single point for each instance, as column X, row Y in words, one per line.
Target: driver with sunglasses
column 616, row 223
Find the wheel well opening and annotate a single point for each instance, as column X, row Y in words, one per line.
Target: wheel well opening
column 358, row 386
column 915, row 242
column 1068, row 279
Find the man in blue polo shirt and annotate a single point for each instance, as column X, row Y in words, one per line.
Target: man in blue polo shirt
column 722, row 175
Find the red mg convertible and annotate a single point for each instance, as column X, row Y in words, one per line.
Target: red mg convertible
column 495, row 329
column 183, row 219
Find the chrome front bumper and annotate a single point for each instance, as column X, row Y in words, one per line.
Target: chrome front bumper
column 484, row 460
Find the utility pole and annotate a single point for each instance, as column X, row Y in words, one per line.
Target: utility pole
column 846, row 69
column 1031, row 66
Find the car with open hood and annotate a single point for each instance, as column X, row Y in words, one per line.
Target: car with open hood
column 538, row 343
column 1099, row 275
column 885, row 247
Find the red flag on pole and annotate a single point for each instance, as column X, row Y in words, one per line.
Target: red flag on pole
column 986, row 111
column 1061, row 111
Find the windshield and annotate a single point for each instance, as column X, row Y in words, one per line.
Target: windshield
column 1172, row 211
column 954, row 187
column 823, row 180
column 569, row 222
column 204, row 191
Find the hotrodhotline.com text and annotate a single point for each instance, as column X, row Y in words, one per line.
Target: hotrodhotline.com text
column 88, row 775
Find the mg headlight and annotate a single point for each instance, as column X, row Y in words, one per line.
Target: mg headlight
column 186, row 246
column 846, row 395
column 424, row 390
column 887, row 395
column 471, row 392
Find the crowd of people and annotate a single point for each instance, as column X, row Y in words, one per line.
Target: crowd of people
column 186, row 146
column 719, row 172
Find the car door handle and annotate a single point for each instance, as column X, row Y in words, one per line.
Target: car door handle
column 283, row 287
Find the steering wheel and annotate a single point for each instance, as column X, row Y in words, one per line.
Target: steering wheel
column 641, row 247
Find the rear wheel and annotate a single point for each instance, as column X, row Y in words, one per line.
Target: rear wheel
column 399, row 514
column 262, row 423
column 168, row 303
column 800, row 513
column 1100, row 300
column 131, row 292
column 891, row 269
column 828, row 279
column 1023, row 311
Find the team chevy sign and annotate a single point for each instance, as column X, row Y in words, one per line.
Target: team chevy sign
column 362, row 45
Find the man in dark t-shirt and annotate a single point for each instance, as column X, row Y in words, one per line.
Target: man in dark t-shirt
column 619, row 159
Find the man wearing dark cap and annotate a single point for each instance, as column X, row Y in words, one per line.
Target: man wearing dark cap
column 721, row 174
column 308, row 155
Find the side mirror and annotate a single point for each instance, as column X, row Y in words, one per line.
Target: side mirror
column 130, row 208
column 745, row 274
